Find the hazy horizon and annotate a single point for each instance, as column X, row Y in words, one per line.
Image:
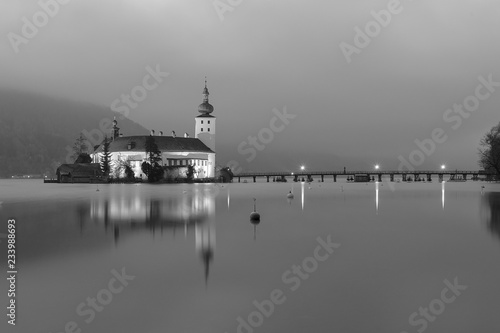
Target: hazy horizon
column 270, row 56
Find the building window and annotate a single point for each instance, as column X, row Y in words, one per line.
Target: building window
column 202, row 122
column 209, row 121
column 209, row 129
column 202, row 129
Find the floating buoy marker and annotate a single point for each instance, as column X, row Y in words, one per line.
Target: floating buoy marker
column 254, row 216
column 289, row 195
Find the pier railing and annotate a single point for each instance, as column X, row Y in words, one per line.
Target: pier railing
column 358, row 172
column 282, row 175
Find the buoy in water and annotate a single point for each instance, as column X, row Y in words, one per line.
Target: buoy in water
column 254, row 216
column 289, row 195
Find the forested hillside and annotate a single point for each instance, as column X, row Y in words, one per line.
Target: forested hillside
column 36, row 130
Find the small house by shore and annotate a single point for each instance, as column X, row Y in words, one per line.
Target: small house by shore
column 79, row 173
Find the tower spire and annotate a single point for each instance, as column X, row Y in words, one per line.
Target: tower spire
column 205, row 92
column 116, row 129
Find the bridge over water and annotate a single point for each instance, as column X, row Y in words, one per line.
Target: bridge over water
column 283, row 175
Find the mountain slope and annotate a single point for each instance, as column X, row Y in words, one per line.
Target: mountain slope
column 37, row 132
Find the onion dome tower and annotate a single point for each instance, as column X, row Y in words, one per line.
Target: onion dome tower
column 205, row 108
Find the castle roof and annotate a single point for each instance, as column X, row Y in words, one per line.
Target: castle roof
column 164, row 143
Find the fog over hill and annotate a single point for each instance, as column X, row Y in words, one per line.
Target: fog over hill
column 37, row 132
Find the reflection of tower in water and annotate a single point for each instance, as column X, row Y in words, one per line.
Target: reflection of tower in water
column 124, row 212
column 205, row 235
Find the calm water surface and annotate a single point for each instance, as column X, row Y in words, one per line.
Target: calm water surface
column 199, row 265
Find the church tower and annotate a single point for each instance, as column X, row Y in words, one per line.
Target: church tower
column 205, row 122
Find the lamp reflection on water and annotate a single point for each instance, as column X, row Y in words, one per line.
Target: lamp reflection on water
column 442, row 193
column 302, row 193
column 126, row 212
column 376, row 195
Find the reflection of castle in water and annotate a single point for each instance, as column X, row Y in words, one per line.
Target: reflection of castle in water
column 490, row 211
column 124, row 211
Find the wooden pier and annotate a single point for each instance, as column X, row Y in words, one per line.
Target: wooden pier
column 375, row 175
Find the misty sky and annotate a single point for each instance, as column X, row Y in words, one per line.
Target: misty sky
column 269, row 54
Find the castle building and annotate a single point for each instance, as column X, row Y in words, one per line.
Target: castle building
column 176, row 152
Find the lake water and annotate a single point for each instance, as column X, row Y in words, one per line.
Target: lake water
column 339, row 257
